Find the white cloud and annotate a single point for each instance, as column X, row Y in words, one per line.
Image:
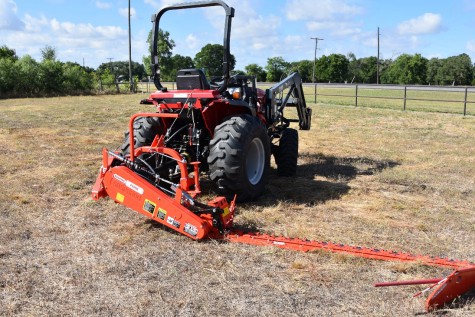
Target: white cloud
column 414, row 40
column 103, row 5
column 424, row 24
column 192, row 41
column 8, row 17
column 73, row 41
column 153, row 3
column 338, row 28
column 125, row 12
column 323, row 10
column 157, row 4
column 471, row 46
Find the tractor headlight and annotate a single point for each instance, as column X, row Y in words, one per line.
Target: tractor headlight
column 235, row 92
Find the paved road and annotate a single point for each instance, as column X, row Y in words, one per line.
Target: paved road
column 396, row 87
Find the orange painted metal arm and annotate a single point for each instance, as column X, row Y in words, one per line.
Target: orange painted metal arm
column 140, row 115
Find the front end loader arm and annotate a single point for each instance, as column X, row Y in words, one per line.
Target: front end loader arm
column 295, row 97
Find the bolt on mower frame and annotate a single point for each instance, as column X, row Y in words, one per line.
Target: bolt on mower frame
column 173, row 205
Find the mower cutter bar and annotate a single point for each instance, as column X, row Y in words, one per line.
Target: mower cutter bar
column 255, row 238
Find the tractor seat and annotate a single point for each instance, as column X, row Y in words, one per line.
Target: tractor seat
column 189, row 79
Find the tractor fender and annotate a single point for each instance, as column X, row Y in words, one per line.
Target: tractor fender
column 218, row 111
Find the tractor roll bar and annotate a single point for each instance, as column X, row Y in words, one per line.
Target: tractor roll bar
column 226, row 41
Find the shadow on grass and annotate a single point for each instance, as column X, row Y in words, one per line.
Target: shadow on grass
column 320, row 178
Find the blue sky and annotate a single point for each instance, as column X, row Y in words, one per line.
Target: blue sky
column 95, row 30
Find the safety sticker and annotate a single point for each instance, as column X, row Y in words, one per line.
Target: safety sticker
column 226, row 212
column 129, row 184
column 190, row 229
column 149, row 206
column 173, row 222
column 119, row 197
column 161, row 213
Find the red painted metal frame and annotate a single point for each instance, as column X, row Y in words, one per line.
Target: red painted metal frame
column 144, row 114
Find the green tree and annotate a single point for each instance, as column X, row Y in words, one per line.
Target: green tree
column 256, row 70
column 121, row 69
column 28, row 82
column 434, row 71
column 305, row 69
column 182, row 62
column 76, row 79
column 48, row 53
column 165, row 46
column 362, row 70
column 457, row 70
column 8, row 77
column 238, row 72
column 9, row 53
column 210, row 58
column 406, row 69
column 321, row 69
column 332, row 68
column 51, row 77
column 276, row 68
column 338, row 68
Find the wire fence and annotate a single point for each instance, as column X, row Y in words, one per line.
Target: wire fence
column 447, row 99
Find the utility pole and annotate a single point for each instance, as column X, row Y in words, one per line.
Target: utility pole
column 110, row 63
column 131, row 80
column 377, row 62
column 314, row 62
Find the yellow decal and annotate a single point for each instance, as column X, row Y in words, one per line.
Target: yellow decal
column 226, row 212
column 161, row 213
column 119, row 197
column 149, row 206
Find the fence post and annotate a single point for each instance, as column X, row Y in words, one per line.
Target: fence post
column 356, row 95
column 315, row 92
column 405, row 95
column 465, row 102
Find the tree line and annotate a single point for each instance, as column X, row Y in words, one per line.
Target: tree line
column 336, row 68
column 26, row 77
column 405, row 70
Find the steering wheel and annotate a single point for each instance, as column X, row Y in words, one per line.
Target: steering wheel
column 216, row 82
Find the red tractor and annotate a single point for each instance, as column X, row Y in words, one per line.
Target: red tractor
column 225, row 126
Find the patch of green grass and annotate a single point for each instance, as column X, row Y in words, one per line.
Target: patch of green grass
column 390, row 98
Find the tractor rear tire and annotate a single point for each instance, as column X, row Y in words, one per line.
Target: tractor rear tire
column 239, row 158
column 145, row 130
column 287, row 152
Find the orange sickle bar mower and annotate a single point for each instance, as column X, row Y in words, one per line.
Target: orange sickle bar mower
column 171, row 204
column 175, row 206
column 446, row 289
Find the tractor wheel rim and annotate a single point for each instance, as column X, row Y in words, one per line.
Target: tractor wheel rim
column 255, row 161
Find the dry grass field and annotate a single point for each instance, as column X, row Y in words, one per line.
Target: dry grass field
column 375, row 177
